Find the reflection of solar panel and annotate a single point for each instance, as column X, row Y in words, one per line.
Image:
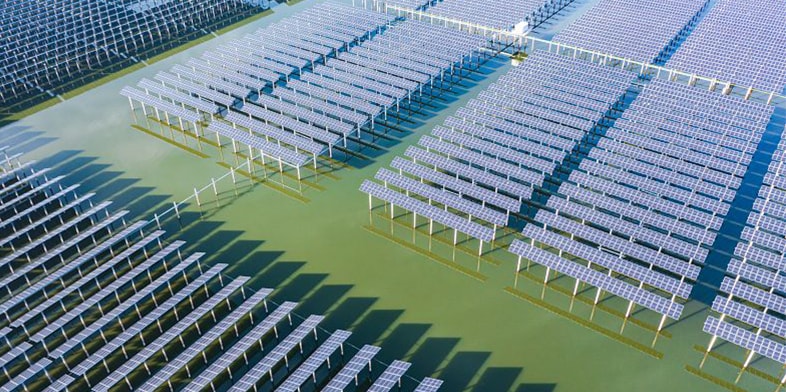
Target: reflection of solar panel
column 314, row 361
column 390, row 377
column 166, row 373
column 265, row 366
column 218, row 366
column 170, row 335
column 351, row 370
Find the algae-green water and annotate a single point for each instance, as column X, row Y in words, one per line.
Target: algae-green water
column 473, row 334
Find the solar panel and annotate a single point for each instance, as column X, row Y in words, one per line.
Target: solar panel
column 263, row 128
column 172, row 333
column 313, row 362
column 507, row 170
column 462, row 187
column 350, row 371
column 22, row 181
column 14, row 352
column 608, row 261
column 616, row 287
column 429, row 385
column 27, row 373
column 176, row 96
column 679, row 267
column 37, row 190
column 150, row 317
column 52, row 234
column 40, row 60
column 477, row 176
column 21, row 272
column 26, row 231
column 265, row 365
column 754, row 294
column 252, row 337
column 750, row 316
column 57, row 326
column 746, row 339
column 43, row 204
column 390, row 377
column 76, row 264
column 434, row 194
column 426, row 210
column 172, row 366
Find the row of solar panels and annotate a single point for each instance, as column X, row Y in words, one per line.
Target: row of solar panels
column 739, row 42
column 752, row 305
column 93, row 302
column 341, row 84
column 646, row 204
column 488, row 158
column 499, row 14
column 45, row 45
column 643, row 204
column 640, row 30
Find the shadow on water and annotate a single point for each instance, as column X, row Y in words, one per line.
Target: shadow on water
column 21, row 139
column 430, row 355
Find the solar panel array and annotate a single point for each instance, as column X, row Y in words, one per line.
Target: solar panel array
column 752, row 306
column 643, row 208
column 499, row 14
column 744, row 43
column 641, row 30
column 312, row 81
column 92, row 302
column 413, row 4
column 47, row 44
column 484, row 161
